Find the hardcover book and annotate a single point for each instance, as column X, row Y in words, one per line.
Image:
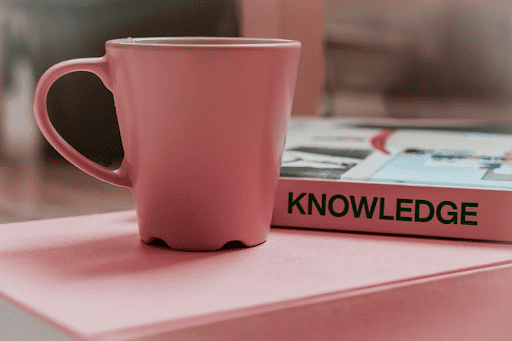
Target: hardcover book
column 92, row 278
column 427, row 182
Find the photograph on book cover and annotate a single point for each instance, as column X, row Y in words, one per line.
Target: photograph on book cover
column 335, row 150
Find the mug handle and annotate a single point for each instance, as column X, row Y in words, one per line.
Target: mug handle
column 100, row 67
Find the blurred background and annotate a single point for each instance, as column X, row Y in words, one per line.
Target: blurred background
column 419, row 59
column 378, row 61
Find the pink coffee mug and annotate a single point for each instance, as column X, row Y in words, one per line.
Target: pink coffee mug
column 203, row 123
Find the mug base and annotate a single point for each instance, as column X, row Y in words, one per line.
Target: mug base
column 229, row 245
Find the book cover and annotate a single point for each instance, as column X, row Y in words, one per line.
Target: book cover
column 424, row 182
column 92, row 278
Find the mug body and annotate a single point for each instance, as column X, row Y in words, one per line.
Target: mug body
column 203, row 123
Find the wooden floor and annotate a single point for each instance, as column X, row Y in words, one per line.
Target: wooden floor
column 43, row 191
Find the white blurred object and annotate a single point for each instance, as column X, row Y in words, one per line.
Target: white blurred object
column 21, row 132
column 21, row 143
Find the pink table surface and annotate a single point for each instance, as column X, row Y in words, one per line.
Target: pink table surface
column 92, row 276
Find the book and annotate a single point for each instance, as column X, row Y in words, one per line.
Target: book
column 92, row 278
column 337, row 175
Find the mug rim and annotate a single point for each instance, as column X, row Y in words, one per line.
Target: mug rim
column 201, row 43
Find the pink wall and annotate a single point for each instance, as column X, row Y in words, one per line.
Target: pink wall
column 301, row 20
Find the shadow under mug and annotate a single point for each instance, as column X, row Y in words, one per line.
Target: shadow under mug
column 203, row 123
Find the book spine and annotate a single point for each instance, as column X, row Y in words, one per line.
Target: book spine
column 464, row 213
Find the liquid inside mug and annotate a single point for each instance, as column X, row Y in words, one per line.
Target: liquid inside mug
column 203, row 123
